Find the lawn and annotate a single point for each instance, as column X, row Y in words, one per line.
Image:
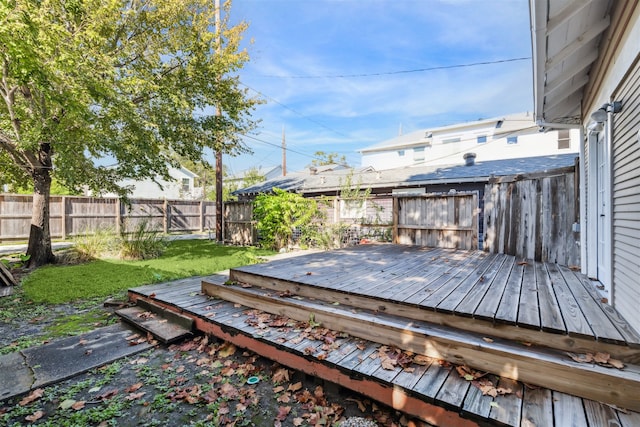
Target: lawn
column 56, row 284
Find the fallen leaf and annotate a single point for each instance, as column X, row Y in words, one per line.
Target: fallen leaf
column 298, row 421
column 581, row 358
column 78, row 405
column 135, row 396
column 283, row 412
column 419, row 359
column 601, row 358
column 83, row 342
column 35, row 416
column 360, row 404
column 309, row 273
column 604, row 300
column 133, row 388
column 34, row 395
column 616, row 363
column 67, row 403
column 294, row 387
column 152, row 295
column 227, row 350
column 489, row 340
column 278, row 389
column 523, row 263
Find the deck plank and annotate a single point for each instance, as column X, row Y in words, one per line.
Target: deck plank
column 631, row 336
column 507, row 409
column 599, row 414
column 431, row 381
column 528, row 308
column 537, row 408
column 468, row 264
column 489, row 305
column 453, row 391
column 408, row 379
column 599, row 322
column 508, row 308
column 469, row 303
column 629, row 419
column 550, row 313
column 568, row 411
column 471, row 272
column 573, row 317
column 476, row 404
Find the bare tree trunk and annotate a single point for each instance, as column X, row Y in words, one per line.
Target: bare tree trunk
column 39, row 236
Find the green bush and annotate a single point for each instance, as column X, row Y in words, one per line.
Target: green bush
column 278, row 214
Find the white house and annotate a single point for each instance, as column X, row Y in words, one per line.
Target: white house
column 586, row 58
column 512, row 136
column 181, row 187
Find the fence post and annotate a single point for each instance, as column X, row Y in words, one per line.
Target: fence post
column 167, row 217
column 63, row 219
column 396, row 208
column 118, row 206
column 201, row 216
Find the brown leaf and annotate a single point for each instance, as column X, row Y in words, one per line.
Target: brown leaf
column 135, row 396
column 281, row 376
column 78, row 405
column 601, row 358
column 604, row 300
column 616, row 363
column 298, row 421
column 35, row 416
column 581, row 358
column 152, row 295
column 107, row 394
column 294, row 387
column 309, row 273
column 133, row 388
column 523, row 263
column 278, row 389
column 419, row 359
column 83, row 342
column 33, row 396
column 486, row 339
column 283, row 412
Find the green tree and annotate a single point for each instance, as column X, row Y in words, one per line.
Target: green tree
column 133, row 81
column 322, row 159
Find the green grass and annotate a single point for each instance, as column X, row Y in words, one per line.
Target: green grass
column 182, row 258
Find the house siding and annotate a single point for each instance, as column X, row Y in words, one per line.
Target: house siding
column 626, row 197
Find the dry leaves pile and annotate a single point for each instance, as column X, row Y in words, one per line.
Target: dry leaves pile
column 602, row 359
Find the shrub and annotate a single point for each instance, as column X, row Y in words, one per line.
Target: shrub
column 278, row 214
column 93, row 244
column 143, row 243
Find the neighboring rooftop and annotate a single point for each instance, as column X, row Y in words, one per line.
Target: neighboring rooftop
column 333, row 180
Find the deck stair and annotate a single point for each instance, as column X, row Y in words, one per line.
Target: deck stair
column 166, row 326
column 535, row 365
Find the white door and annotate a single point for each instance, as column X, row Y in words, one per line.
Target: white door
column 603, row 212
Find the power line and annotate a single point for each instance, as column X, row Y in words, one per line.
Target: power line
column 294, row 111
column 388, row 73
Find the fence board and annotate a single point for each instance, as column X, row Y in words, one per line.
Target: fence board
column 532, row 217
column 75, row 215
column 437, row 220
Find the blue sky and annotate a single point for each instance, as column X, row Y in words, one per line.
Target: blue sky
column 341, row 75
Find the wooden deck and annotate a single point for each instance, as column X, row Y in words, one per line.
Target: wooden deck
column 457, row 305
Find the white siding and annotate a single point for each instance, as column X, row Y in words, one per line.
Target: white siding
column 626, row 198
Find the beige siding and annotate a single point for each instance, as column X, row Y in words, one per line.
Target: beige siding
column 626, row 199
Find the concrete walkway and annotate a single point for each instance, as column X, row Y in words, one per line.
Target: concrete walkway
column 25, row 370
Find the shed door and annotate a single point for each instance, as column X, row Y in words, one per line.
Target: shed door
column 603, row 212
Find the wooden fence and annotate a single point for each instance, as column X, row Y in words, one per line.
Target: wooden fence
column 532, row 216
column 239, row 226
column 437, row 220
column 75, row 215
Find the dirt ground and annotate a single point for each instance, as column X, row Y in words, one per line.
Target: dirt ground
column 198, row 382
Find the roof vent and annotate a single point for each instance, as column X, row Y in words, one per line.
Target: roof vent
column 469, row 159
column 313, row 170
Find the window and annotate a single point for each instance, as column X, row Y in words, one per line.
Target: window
column 450, row 140
column 185, row 184
column 401, row 153
column 564, row 139
column 418, row 154
column 482, row 139
column 512, row 140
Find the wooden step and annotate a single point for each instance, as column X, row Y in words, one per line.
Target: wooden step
column 482, row 326
column 166, row 326
column 509, row 359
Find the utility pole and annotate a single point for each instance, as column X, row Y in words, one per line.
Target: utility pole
column 284, row 154
column 219, row 213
